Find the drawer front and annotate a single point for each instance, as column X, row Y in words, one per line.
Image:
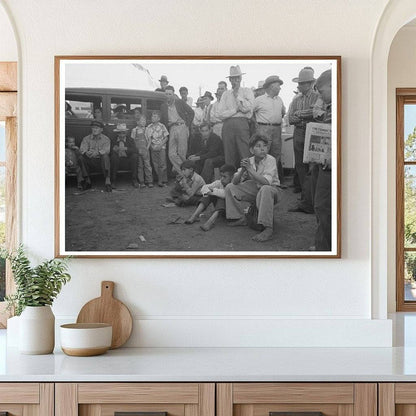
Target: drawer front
column 26, row 399
column 397, row 399
column 296, row 399
column 144, row 399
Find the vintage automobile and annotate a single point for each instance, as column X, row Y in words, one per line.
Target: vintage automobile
column 116, row 106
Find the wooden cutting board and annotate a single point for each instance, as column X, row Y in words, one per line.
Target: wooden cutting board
column 107, row 309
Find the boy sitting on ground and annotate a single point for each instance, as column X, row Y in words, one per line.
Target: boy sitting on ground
column 187, row 189
column 256, row 181
column 215, row 193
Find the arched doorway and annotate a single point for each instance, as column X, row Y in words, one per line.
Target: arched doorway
column 396, row 14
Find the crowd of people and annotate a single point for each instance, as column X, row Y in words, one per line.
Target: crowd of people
column 239, row 133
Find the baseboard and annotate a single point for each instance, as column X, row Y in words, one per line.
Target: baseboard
column 249, row 332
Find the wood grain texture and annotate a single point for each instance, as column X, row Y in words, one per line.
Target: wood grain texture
column 386, row 399
column 107, row 309
column 365, row 399
column 171, row 409
column 47, row 399
column 138, row 393
column 400, row 203
column 90, row 410
column 27, row 393
column 224, row 399
column 405, row 410
column 345, row 410
column 66, row 399
column 11, row 204
column 8, row 105
column 31, row 410
column 8, row 76
column 207, row 399
column 293, row 393
column 190, row 410
column 405, row 393
column 13, row 409
column 264, row 409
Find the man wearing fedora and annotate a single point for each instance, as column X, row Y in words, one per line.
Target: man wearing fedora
column 95, row 153
column 300, row 113
column 163, row 83
column 269, row 111
column 177, row 116
column 236, row 110
column 123, row 151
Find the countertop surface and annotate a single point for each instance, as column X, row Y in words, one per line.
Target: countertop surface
column 212, row 365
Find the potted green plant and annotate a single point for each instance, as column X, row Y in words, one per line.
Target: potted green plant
column 36, row 289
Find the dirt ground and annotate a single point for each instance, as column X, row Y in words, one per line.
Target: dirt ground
column 130, row 219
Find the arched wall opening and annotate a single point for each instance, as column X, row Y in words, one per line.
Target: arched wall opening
column 397, row 14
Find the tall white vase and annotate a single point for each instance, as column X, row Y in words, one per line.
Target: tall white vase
column 37, row 330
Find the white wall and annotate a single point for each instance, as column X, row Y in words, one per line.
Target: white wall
column 179, row 302
column 401, row 74
column 8, row 46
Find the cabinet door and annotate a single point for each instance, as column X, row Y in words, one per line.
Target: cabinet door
column 297, row 399
column 397, row 399
column 27, row 399
column 143, row 399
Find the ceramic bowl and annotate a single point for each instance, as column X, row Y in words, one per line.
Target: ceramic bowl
column 83, row 340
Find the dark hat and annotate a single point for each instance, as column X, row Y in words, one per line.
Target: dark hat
column 208, row 95
column 97, row 123
column 200, row 100
column 305, row 75
column 163, row 78
column 188, row 164
column 260, row 85
column 272, row 79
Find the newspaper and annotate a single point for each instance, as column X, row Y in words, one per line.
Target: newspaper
column 317, row 143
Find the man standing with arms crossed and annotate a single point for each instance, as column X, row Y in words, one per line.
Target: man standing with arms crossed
column 300, row 113
column 236, row 109
column 177, row 116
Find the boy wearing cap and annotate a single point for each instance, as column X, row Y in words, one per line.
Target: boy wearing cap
column 123, row 150
column 157, row 135
column 144, row 169
column 187, row 189
column 256, row 181
column 95, row 153
column 269, row 111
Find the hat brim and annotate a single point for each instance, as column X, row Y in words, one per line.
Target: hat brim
column 270, row 83
column 238, row 75
column 118, row 131
column 305, row 80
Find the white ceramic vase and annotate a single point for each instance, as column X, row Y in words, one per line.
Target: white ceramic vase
column 37, row 330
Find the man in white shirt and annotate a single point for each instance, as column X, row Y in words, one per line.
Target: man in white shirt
column 236, row 109
column 269, row 111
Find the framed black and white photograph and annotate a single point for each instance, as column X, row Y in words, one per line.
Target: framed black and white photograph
column 195, row 156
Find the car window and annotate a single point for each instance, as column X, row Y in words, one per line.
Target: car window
column 83, row 107
column 125, row 108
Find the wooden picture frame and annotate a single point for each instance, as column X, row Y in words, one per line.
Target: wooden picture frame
column 138, row 222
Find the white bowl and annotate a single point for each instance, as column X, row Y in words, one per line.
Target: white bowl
column 83, row 340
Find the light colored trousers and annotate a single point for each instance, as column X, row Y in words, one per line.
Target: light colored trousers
column 266, row 197
column 178, row 145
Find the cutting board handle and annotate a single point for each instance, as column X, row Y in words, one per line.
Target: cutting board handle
column 107, row 289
